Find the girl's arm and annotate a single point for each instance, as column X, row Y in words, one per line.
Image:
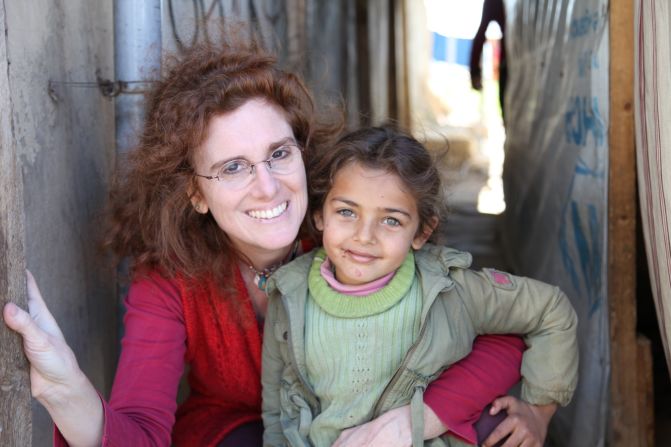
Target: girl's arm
column 497, row 302
column 456, row 399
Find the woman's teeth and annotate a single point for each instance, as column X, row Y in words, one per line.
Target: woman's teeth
column 268, row 214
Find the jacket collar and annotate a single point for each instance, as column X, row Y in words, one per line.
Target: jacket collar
column 433, row 265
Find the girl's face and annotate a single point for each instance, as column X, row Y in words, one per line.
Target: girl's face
column 369, row 222
column 262, row 218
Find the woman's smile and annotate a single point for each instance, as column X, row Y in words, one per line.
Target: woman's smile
column 267, row 214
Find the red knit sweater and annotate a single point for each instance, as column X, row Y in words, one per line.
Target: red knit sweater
column 224, row 351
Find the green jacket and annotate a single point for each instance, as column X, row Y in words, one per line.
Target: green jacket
column 459, row 304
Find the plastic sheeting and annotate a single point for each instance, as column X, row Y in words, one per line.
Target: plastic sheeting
column 555, row 180
column 653, row 141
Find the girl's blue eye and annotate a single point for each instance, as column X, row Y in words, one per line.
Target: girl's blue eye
column 391, row 222
column 346, row 212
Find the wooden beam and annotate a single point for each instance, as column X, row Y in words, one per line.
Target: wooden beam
column 625, row 420
column 15, row 412
column 362, row 61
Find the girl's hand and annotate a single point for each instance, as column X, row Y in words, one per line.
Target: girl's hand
column 526, row 424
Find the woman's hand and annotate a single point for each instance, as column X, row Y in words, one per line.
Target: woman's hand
column 393, row 429
column 526, row 424
column 52, row 362
column 55, row 378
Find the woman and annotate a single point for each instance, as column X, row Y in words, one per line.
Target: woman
column 211, row 204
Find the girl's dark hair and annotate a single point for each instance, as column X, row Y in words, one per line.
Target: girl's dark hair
column 388, row 149
column 150, row 215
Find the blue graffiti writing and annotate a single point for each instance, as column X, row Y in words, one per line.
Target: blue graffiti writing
column 582, row 119
column 586, row 271
column 586, row 62
column 587, row 23
column 581, row 168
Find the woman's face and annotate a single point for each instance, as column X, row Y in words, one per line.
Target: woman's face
column 262, row 219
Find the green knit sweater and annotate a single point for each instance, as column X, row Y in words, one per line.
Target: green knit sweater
column 354, row 344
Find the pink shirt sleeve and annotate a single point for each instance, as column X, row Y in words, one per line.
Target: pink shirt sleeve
column 462, row 391
column 141, row 409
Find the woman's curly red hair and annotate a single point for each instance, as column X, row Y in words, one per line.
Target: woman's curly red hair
column 150, row 215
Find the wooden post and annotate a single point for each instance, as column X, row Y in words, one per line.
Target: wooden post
column 15, row 412
column 629, row 414
column 402, row 76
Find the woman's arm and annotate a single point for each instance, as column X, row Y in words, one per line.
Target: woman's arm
column 455, row 401
column 55, row 378
column 460, row 394
column 143, row 402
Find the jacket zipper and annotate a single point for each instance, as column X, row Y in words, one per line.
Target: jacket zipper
column 397, row 374
column 395, row 378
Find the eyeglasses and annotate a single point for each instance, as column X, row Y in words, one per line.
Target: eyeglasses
column 238, row 174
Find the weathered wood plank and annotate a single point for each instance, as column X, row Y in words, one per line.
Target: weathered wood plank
column 15, row 412
column 624, row 410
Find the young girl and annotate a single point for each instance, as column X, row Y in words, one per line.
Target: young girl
column 382, row 312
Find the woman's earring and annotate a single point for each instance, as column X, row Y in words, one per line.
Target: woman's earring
column 201, row 208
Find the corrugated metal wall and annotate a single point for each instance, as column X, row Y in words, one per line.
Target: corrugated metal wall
column 350, row 52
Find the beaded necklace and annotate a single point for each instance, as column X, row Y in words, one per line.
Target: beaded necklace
column 261, row 276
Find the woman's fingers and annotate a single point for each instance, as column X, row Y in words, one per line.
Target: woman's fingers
column 19, row 320
column 35, row 340
column 502, row 403
column 501, row 431
column 43, row 341
column 523, row 424
column 38, row 309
